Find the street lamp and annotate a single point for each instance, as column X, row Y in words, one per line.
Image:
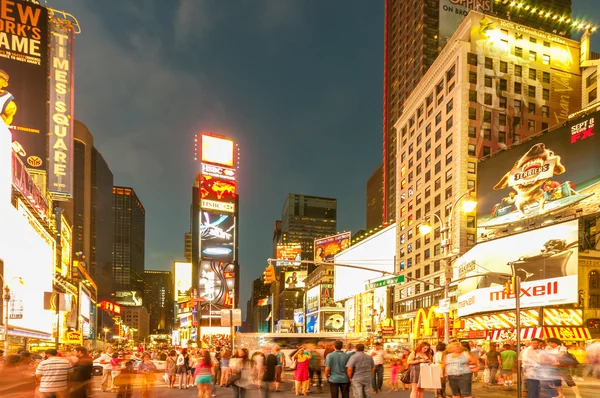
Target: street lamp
column 6, row 301
column 105, row 332
column 425, row 228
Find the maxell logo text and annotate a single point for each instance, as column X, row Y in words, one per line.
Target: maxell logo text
column 531, row 291
column 466, row 303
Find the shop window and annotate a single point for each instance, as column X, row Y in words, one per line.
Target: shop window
column 594, row 280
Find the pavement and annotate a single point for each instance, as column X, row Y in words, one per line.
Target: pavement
column 588, row 389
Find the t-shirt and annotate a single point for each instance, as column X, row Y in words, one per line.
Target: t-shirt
column 492, row 357
column 337, row 361
column 270, row 364
column 378, row 356
column 54, row 372
column 280, row 359
column 508, row 359
column 106, row 357
column 361, row 365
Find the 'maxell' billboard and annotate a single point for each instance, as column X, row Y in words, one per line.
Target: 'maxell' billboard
column 546, row 259
column 550, row 175
column 23, row 77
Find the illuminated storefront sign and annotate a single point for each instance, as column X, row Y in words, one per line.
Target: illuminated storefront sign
column 60, row 172
column 217, row 150
column 110, row 307
column 217, row 236
column 129, row 298
column 224, row 173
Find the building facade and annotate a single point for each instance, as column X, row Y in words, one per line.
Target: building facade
column 129, row 241
column 375, row 199
column 159, row 300
column 137, row 322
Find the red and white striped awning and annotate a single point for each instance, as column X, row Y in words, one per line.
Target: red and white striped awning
column 511, row 334
column 568, row 333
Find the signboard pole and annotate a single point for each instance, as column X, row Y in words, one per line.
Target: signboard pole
column 231, row 327
column 517, row 293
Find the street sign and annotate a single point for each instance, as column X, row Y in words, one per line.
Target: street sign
column 385, row 282
column 444, row 306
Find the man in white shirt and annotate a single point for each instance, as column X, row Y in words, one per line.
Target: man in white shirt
column 554, row 347
column 53, row 375
column 378, row 355
column 106, row 368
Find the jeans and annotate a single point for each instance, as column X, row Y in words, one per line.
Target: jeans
column 460, row 384
column 493, row 368
column 238, row 392
column 343, row 388
column 265, row 389
column 106, row 379
column 317, row 372
column 377, row 378
column 360, row 389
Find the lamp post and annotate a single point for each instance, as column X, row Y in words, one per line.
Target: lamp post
column 6, row 298
column 446, row 235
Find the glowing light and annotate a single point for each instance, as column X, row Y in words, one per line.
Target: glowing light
column 593, row 29
column 555, row 17
column 533, row 9
column 513, row 3
column 547, row 14
column 520, row 5
column 469, row 205
column 527, row 7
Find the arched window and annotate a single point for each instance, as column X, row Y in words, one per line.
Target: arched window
column 594, row 279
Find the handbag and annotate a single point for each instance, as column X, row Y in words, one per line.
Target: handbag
column 232, row 378
column 165, row 378
column 567, row 359
column 405, row 377
column 430, row 376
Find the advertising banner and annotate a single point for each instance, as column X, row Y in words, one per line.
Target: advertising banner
column 85, row 305
column 217, row 235
column 129, row 298
column 312, row 323
column 503, row 320
column 546, row 259
column 563, row 317
column 453, row 12
column 295, row 279
column 299, row 317
column 350, row 306
column 217, row 283
column 379, row 305
column 554, row 174
column 289, row 254
column 24, row 77
column 60, row 131
column 183, row 281
column 312, row 299
column 327, row 300
column 224, row 173
column 332, row 321
column 327, row 248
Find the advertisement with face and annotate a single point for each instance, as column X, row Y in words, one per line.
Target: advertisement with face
column 295, row 279
column 327, row 248
column 312, row 299
column 183, row 281
column 289, row 254
column 332, row 321
column 217, row 235
column 379, row 305
column 24, row 78
column 554, row 174
column 453, row 12
column 312, row 323
column 546, row 259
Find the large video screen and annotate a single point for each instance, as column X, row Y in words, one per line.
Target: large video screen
column 217, row 189
column 217, row 235
column 217, row 150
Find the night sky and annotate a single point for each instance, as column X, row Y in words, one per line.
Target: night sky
column 298, row 84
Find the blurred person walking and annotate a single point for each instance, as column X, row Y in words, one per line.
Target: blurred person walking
column 105, row 358
column 493, row 361
column 422, row 354
column 148, row 371
column 458, row 365
column 171, row 367
column 280, row 366
column 509, row 357
column 335, row 371
column 268, row 377
column 579, row 371
column 183, row 367
column 378, row 355
column 53, row 374
column 314, row 370
column 203, row 374
column 194, row 359
column 593, row 354
column 241, row 370
column 225, row 367
column 360, row 368
column 438, row 358
column 82, row 373
column 301, row 381
column 560, row 353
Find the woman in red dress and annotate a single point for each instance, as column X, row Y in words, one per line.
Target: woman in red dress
column 302, row 358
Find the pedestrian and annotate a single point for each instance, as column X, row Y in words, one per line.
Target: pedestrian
column 82, row 373
column 171, row 367
column 438, row 358
column 404, row 364
column 314, row 370
column 350, row 350
column 555, row 348
column 183, row 362
column 579, row 371
column 458, row 370
column 359, row 368
column 268, row 377
column 422, row 354
column 193, row 361
column 203, row 374
column 508, row 357
column 52, row 375
column 217, row 366
column 241, row 366
column 593, row 355
column 538, row 368
column 258, row 361
column 493, row 361
column 115, row 368
column 378, row 355
column 147, row 369
column 105, row 358
column 280, row 365
column 394, row 374
column 123, row 381
column 301, row 381
column 335, row 371
column 225, row 367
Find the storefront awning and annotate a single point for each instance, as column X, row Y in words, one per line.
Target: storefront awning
column 568, row 333
column 511, row 334
column 562, row 333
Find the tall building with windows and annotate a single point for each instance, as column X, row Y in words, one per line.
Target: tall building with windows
column 415, row 32
column 159, row 300
column 375, row 199
column 494, row 84
column 129, row 241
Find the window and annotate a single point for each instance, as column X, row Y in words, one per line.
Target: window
column 448, row 141
column 428, row 145
column 472, row 131
column 531, row 92
column 438, row 167
column 502, row 119
column 503, row 84
column 532, row 40
column 470, row 239
column 532, row 56
column 486, row 150
column 473, row 77
column 488, row 81
column 471, row 167
column 531, row 108
column 502, row 137
column 427, row 194
column 438, row 184
column 449, row 106
column 544, row 126
column 489, row 63
column 472, row 59
column 592, row 95
column 439, row 88
column 409, row 264
column 438, row 118
column 448, row 174
column 438, row 151
column 545, row 111
column 545, row 77
column 517, row 105
column 503, row 67
column 470, row 221
column 532, row 73
column 471, row 185
column 427, row 160
column 437, row 200
column 591, row 79
column 471, row 150
column 451, row 72
column 487, row 116
column 546, row 94
column 518, row 51
column 411, row 148
column 472, row 95
column 546, row 59
column 472, row 114
column 531, row 125
column 487, row 99
column 449, row 192
column 518, row 70
column 449, row 123
column 438, row 135
column 448, row 158
column 518, row 89
column 436, row 268
column 502, row 102
column 427, row 268
column 594, row 280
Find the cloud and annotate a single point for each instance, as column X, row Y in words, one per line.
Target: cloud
column 191, row 20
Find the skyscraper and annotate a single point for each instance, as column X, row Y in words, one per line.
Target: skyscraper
column 158, row 300
column 129, row 241
column 375, row 199
column 415, row 32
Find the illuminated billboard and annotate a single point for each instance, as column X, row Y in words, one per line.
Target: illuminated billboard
column 312, row 299
column 312, row 323
column 183, row 281
column 128, row 298
column 546, row 259
column 332, row 321
column 453, row 12
column 554, row 174
column 224, row 173
column 217, row 150
column 217, row 232
column 326, row 298
column 327, row 248
column 24, row 78
column 289, row 254
column 60, row 130
column 217, row 283
column 217, row 189
column 295, row 279
column 85, row 304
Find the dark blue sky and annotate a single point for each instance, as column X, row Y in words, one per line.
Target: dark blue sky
column 297, row 83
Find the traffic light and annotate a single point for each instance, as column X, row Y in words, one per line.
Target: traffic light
column 269, row 274
column 507, row 289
